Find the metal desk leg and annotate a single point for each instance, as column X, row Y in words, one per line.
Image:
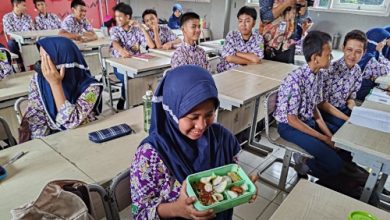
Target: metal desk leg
column 371, row 181
column 125, row 81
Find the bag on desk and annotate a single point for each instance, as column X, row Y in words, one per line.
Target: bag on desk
column 110, row 133
column 60, row 199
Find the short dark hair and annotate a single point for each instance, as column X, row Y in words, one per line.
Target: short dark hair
column 147, row 12
column 313, row 43
column 188, row 16
column 356, row 35
column 124, row 8
column 17, row 1
column 248, row 11
column 36, row 1
column 76, row 3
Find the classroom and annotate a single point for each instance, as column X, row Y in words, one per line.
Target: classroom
column 195, row 109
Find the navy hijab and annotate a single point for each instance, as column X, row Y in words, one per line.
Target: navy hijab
column 374, row 36
column 386, row 49
column 77, row 79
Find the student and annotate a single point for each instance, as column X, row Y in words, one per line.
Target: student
column 161, row 35
column 5, row 63
column 189, row 52
column 45, row 20
column 174, row 20
column 299, row 120
column 344, row 78
column 17, row 21
column 182, row 140
column 62, row 94
column 126, row 40
column 76, row 26
column 373, row 64
column 244, row 46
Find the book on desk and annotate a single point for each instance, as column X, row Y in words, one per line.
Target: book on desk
column 143, row 57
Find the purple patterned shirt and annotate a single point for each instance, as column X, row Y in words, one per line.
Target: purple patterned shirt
column 131, row 40
column 5, row 69
column 47, row 22
column 376, row 68
column 69, row 116
column 14, row 23
column 189, row 54
column 71, row 25
column 165, row 34
column 341, row 83
column 299, row 94
column 234, row 43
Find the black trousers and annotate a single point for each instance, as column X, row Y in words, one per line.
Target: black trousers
column 286, row 56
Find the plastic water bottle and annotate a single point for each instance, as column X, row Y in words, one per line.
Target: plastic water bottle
column 147, row 98
column 104, row 30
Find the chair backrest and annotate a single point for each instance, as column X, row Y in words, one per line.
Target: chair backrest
column 21, row 108
column 270, row 106
column 5, row 133
column 120, row 192
column 99, row 202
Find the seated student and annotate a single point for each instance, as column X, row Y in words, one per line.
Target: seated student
column 76, row 26
column 189, row 52
column 244, row 46
column 126, row 40
column 174, row 20
column 303, row 27
column 344, row 78
column 299, row 120
column 373, row 64
column 17, row 21
column 65, row 98
column 183, row 139
column 161, row 35
column 5, row 62
column 45, row 20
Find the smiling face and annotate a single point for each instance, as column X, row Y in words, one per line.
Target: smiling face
column 121, row 18
column 353, row 52
column 150, row 20
column 80, row 12
column 195, row 123
column 191, row 30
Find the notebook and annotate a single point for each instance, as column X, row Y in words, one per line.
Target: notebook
column 143, row 56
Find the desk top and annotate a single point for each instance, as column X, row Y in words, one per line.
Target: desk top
column 137, row 66
column 15, row 85
column 169, row 53
column 216, row 44
column 309, row 201
column 28, row 175
column 269, row 69
column 104, row 41
column 21, row 36
column 376, row 106
column 102, row 161
column 240, row 87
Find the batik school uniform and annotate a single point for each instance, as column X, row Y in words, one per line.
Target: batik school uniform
column 340, row 84
column 49, row 21
column 189, row 54
column 235, row 43
column 5, row 68
column 165, row 33
column 71, row 25
column 299, row 94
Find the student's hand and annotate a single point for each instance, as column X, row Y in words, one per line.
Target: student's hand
column 167, row 46
column 185, row 209
column 351, row 104
column 155, row 28
column 134, row 23
column 254, row 178
column 50, row 72
column 379, row 46
column 124, row 53
column 328, row 140
column 388, row 42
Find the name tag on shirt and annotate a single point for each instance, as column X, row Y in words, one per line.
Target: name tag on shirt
column 282, row 27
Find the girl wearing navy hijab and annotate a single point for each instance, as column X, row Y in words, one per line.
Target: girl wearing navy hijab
column 182, row 140
column 174, row 20
column 62, row 94
column 373, row 64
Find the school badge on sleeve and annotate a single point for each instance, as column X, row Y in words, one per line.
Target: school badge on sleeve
column 90, row 97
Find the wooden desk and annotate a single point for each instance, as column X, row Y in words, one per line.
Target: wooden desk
column 102, row 161
column 143, row 75
column 28, row 36
column 29, row 174
column 308, row 201
column 376, row 106
column 269, row 69
column 169, row 53
column 216, row 44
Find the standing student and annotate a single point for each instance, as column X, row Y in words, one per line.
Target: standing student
column 299, row 120
column 373, row 64
column 244, row 46
column 126, row 40
column 161, row 35
column 183, row 139
column 76, row 26
column 45, row 20
column 174, row 20
column 63, row 94
column 344, row 78
column 17, row 21
column 189, row 52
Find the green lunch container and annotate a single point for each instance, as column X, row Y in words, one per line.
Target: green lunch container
column 227, row 203
column 361, row 215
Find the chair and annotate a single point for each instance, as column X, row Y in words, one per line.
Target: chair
column 120, row 195
column 274, row 138
column 21, row 108
column 5, row 133
column 100, row 206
